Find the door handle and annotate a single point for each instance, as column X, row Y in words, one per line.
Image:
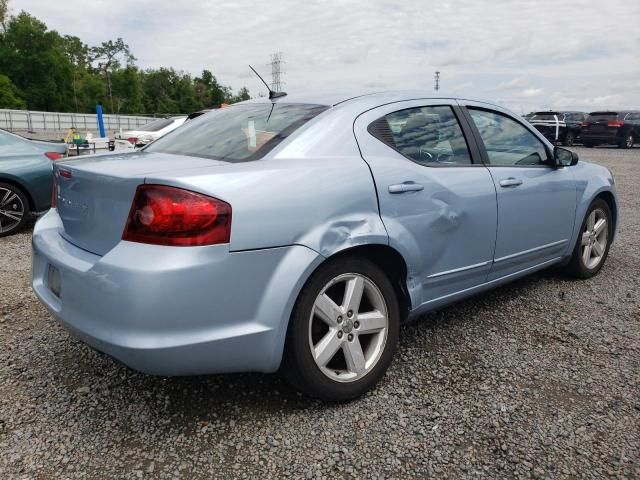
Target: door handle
column 405, row 187
column 510, row 182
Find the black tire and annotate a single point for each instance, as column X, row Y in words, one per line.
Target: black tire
column 299, row 367
column 588, row 145
column 18, row 207
column 577, row 267
column 569, row 139
column 627, row 142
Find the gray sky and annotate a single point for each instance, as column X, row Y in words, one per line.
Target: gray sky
column 526, row 54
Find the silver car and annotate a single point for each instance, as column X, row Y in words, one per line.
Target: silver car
column 297, row 233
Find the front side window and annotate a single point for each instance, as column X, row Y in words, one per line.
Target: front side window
column 427, row 135
column 506, row 141
column 238, row 133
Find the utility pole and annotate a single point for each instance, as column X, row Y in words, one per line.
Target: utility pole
column 437, row 79
column 276, row 71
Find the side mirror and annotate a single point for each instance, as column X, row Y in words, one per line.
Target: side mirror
column 564, row 157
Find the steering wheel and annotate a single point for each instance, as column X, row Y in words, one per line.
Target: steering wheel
column 422, row 152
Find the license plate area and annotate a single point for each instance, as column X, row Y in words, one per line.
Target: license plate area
column 53, row 280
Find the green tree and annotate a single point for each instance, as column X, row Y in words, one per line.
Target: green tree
column 33, row 58
column 9, row 94
column 42, row 70
column 4, row 12
column 128, row 90
column 243, row 94
column 78, row 54
column 108, row 57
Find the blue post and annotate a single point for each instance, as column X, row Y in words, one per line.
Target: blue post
column 100, row 120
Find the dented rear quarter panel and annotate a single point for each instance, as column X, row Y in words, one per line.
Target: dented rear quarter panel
column 314, row 189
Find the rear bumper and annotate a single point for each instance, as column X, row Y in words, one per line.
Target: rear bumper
column 170, row 310
column 609, row 138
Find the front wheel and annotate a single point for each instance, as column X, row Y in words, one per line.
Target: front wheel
column 593, row 243
column 343, row 330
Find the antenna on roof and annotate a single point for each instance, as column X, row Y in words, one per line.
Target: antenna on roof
column 272, row 94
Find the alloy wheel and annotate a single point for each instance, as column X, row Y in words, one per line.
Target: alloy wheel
column 594, row 239
column 12, row 210
column 629, row 141
column 348, row 327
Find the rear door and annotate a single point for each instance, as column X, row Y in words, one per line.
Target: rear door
column 437, row 201
column 536, row 201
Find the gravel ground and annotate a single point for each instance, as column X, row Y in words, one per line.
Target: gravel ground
column 540, row 379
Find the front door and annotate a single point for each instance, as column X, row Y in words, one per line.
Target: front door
column 437, row 200
column 536, row 201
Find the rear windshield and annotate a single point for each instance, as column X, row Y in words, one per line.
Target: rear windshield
column 238, row 133
column 595, row 116
column 546, row 116
column 156, row 125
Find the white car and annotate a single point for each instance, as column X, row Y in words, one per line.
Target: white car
column 151, row 131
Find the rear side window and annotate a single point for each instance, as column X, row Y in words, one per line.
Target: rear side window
column 507, row 141
column 238, row 133
column 427, row 135
column 596, row 116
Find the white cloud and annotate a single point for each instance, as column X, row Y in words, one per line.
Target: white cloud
column 531, row 54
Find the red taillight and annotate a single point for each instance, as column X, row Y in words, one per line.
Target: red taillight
column 133, row 140
column 585, row 124
column 53, row 156
column 615, row 123
column 163, row 215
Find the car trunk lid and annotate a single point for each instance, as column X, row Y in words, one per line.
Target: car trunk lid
column 94, row 194
column 598, row 122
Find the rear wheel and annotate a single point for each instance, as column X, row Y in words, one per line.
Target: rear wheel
column 592, row 247
column 343, row 330
column 627, row 142
column 588, row 145
column 569, row 139
column 13, row 209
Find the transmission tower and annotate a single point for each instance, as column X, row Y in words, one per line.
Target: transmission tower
column 276, row 71
column 437, row 79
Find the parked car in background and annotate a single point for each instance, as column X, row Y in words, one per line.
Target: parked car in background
column 296, row 233
column 620, row 128
column 151, row 131
column 559, row 127
column 25, row 178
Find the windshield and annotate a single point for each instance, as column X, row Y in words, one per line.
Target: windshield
column 156, row 125
column 546, row 116
column 238, row 133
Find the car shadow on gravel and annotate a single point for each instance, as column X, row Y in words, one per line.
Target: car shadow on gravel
column 224, row 396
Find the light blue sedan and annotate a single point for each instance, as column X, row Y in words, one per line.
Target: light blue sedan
column 297, row 233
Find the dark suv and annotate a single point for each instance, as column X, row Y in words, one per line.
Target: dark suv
column 561, row 127
column 620, row 128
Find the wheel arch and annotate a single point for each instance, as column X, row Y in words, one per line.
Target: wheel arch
column 390, row 261
column 608, row 197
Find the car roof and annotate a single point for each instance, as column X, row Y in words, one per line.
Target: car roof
column 381, row 97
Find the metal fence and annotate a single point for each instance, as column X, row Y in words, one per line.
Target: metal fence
column 30, row 121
